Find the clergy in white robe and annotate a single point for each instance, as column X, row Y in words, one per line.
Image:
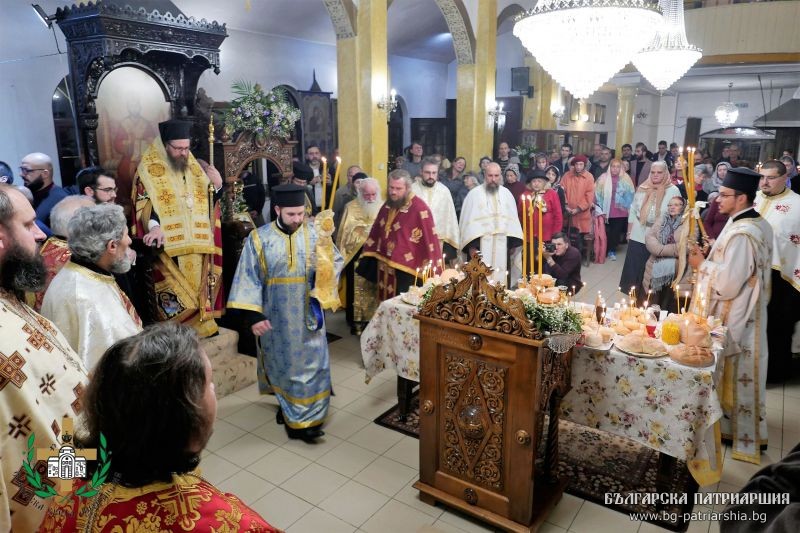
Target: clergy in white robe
column 440, row 202
column 780, row 206
column 41, row 377
column 733, row 284
column 489, row 223
column 84, row 300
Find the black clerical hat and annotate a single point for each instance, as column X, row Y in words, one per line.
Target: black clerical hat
column 302, row 171
column 742, row 179
column 359, row 176
column 174, row 129
column 537, row 174
column 289, row 195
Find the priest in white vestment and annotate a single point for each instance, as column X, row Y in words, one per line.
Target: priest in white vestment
column 84, row 300
column 490, row 223
column 780, row 206
column 733, row 284
column 42, row 379
column 440, row 202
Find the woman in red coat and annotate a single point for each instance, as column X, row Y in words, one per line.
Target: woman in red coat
column 552, row 219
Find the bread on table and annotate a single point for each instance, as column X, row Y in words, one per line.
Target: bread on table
column 696, row 356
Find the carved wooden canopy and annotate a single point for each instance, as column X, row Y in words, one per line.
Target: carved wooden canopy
column 475, row 301
column 152, row 35
column 248, row 147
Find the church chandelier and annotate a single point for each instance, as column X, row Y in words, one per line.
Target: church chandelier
column 727, row 113
column 583, row 43
column 669, row 55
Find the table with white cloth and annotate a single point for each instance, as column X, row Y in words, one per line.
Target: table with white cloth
column 659, row 403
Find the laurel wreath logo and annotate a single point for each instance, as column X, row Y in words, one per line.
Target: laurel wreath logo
column 88, row 490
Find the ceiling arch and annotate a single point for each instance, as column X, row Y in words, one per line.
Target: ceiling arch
column 343, row 15
column 457, row 18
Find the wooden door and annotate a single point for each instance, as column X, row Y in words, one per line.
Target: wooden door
column 431, row 133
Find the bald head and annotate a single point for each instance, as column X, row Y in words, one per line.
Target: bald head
column 62, row 213
column 492, row 177
column 37, row 170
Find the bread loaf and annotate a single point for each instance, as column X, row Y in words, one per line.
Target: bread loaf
column 696, row 356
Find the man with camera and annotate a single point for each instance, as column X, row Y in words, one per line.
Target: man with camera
column 563, row 262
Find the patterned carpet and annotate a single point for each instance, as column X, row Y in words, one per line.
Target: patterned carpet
column 595, row 463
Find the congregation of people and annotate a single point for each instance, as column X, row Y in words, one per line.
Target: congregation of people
column 71, row 301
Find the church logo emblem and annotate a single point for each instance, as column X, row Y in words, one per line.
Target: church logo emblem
column 64, row 465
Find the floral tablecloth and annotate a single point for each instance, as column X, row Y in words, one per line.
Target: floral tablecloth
column 657, row 402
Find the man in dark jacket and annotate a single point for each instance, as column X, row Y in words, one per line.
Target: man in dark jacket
column 564, row 263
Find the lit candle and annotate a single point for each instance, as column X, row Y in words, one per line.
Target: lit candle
column 336, row 179
column 541, row 235
column 416, row 275
column 686, row 299
column 325, row 181
column 530, row 225
column 525, row 236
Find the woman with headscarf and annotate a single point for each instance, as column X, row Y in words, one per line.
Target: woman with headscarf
column 662, row 242
column 711, row 186
column 513, row 183
column 649, row 202
column 614, row 194
column 554, row 182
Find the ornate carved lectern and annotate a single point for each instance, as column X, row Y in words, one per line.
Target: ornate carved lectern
column 487, row 377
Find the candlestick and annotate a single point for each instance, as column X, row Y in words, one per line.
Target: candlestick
column 325, row 181
column 416, row 275
column 525, row 236
column 530, row 225
column 686, row 299
column 335, row 180
column 541, row 235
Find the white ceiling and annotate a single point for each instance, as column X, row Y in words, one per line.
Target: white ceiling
column 415, row 28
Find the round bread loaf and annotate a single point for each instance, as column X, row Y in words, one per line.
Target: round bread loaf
column 696, row 356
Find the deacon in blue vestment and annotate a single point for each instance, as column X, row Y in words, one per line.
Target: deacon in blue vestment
column 272, row 284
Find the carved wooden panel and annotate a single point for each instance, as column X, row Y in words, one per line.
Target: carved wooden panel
column 248, row 148
column 474, row 415
column 474, row 301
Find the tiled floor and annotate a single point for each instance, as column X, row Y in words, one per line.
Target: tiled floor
column 359, row 476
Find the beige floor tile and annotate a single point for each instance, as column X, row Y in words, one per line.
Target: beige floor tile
column 775, row 417
column 245, row 450
column 439, row 527
column 646, row 527
column 272, row 432
column 375, row 438
column 216, row 469
column 410, row 496
column 341, row 373
column 343, row 424
column 396, row 517
column 252, row 394
column 317, row 521
column 565, row 511
column 315, row 450
column 347, row 459
column 356, row 382
column 792, row 390
column 314, row 483
column 406, row 451
column 791, row 407
column 354, row 503
column 593, row 518
column 383, row 390
column 547, row 527
column 774, row 400
column 464, row 522
column 280, row 508
column 386, row 476
column 278, row 466
column 247, row 486
column 737, row 473
column 344, row 396
column 224, row 433
column 230, row 404
column 369, row 407
column 251, row 417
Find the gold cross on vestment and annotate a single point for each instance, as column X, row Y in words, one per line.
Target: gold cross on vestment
column 64, row 486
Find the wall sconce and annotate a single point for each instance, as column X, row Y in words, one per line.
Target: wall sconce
column 498, row 116
column 388, row 104
column 558, row 111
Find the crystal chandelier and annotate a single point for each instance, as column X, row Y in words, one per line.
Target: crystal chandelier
column 669, row 55
column 583, row 43
column 727, row 113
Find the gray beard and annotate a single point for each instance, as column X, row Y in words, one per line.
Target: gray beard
column 120, row 266
column 370, row 209
column 491, row 188
column 21, row 272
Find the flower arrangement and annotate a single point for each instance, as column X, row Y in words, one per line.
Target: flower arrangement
column 267, row 114
column 525, row 152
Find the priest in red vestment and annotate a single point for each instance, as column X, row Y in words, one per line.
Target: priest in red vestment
column 402, row 241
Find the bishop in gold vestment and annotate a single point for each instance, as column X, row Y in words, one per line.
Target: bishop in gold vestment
column 172, row 201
